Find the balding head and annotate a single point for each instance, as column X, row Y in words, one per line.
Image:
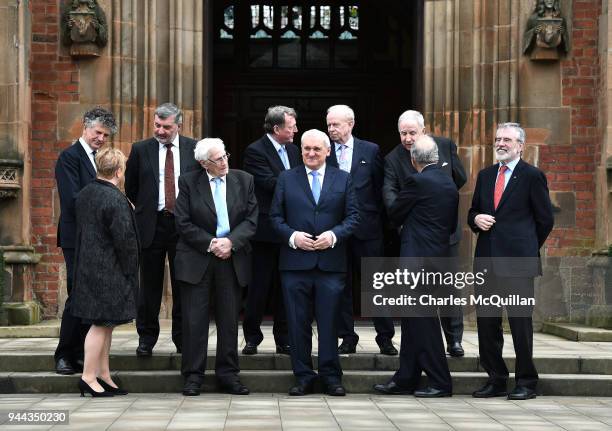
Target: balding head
column 424, row 152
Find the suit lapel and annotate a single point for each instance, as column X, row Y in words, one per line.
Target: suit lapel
column 514, row 178
column 152, row 151
column 273, row 154
column 185, row 154
column 85, row 158
column 328, row 179
column 302, row 179
column 232, row 190
column 332, row 160
column 357, row 154
column 406, row 161
column 205, row 191
column 294, row 155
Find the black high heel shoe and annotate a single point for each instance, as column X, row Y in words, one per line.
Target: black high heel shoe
column 84, row 387
column 109, row 388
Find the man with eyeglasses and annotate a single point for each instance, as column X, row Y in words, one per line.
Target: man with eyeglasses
column 398, row 167
column 216, row 215
column 151, row 183
column 512, row 215
column 265, row 159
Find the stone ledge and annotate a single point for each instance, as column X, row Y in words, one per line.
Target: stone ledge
column 46, row 329
column 577, row 332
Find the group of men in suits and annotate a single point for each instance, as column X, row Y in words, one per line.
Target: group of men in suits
column 294, row 229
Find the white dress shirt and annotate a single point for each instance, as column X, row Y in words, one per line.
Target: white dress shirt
column 348, row 154
column 89, row 152
column 176, row 156
column 508, row 174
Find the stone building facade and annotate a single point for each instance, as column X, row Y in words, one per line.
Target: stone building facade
column 471, row 74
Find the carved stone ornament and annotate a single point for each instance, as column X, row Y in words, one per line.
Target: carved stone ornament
column 84, row 28
column 9, row 178
column 546, row 32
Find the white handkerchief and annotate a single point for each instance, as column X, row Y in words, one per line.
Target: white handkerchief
column 444, row 164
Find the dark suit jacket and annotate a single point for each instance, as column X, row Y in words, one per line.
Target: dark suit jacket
column 523, row 219
column 106, row 258
column 367, row 176
column 426, row 207
column 398, row 167
column 196, row 224
column 73, row 171
column 263, row 162
column 294, row 209
column 142, row 181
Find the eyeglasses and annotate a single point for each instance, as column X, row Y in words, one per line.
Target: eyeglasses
column 223, row 158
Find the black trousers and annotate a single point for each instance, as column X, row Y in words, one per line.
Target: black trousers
column 451, row 316
column 265, row 288
column 72, row 330
column 491, row 334
column 346, row 323
column 422, row 349
column 153, row 262
column 220, row 278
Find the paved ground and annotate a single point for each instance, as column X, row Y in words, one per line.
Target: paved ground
column 279, row 412
column 315, row 412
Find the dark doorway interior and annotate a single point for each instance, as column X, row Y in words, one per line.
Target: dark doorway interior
column 310, row 55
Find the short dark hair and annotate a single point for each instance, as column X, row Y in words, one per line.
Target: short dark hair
column 102, row 116
column 276, row 117
column 167, row 110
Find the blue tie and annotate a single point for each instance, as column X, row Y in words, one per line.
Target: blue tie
column 316, row 186
column 283, row 155
column 223, row 226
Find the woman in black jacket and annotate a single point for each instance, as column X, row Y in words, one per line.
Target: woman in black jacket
column 106, row 268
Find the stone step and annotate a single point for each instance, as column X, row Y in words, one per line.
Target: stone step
column 281, row 381
column 577, row 332
column 35, row 362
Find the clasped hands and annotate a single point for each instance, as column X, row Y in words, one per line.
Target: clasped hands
column 221, row 247
column 306, row 242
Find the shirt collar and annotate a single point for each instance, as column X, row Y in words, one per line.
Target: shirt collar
column 211, row 178
column 510, row 165
column 321, row 170
column 175, row 142
column 349, row 143
column 86, row 146
column 277, row 146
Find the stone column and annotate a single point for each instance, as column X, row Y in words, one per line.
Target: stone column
column 17, row 253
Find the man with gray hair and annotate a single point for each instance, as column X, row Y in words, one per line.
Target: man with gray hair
column 265, row 159
column 426, row 208
column 314, row 212
column 398, row 167
column 75, row 168
column 363, row 160
column 151, row 183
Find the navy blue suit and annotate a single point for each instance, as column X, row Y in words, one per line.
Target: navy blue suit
column 313, row 280
column 263, row 162
column 73, row 171
column 426, row 207
column 367, row 176
column 523, row 220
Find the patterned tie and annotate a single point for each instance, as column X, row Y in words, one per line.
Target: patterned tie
column 316, row 186
column 343, row 159
column 499, row 185
column 169, row 190
column 282, row 152
column 93, row 153
column 223, row 226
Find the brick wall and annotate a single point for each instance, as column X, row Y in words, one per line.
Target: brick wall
column 55, row 80
column 572, row 168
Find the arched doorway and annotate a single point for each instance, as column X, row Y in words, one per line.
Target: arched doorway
column 310, row 55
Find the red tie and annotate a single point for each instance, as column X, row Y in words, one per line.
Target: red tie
column 169, row 179
column 499, row 185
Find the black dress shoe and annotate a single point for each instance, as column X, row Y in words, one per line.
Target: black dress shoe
column 347, row 347
column 235, row 388
column 430, row 392
column 249, row 349
column 62, row 366
column 387, row 348
column 335, row 390
column 455, row 349
column 191, row 389
column 300, row 389
column 489, row 391
column 392, row 388
column 522, row 393
column 283, row 349
column 144, row 350
column 111, row 389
